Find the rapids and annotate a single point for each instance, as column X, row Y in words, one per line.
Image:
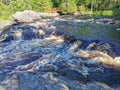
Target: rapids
column 45, row 47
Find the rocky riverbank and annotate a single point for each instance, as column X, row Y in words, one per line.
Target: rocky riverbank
column 36, row 55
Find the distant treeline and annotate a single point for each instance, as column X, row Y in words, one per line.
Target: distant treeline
column 62, row 6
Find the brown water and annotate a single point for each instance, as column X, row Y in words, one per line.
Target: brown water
column 35, row 48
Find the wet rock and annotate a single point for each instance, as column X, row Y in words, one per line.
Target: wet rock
column 117, row 22
column 97, row 86
column 106, row 76
column 41, row 82
column 72, row 74
column 40, row 32
column 106, row 48
column 76, row 45
column 18, row 35
column 69, row 39
column 29, row 35
column 6, row 25
column 91, row 46
column 105, row 21
column 26, row 16
column 48, row 68
column 24, row 27
column 9, row 82
column 8, row 39
column 29, row 81
column 85, row 44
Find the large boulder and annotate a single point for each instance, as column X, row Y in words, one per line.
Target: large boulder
column 26, row 16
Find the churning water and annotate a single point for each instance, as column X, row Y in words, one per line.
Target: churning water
column 53, row 46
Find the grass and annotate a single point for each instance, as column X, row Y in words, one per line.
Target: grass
column 100, row 13
column 103, row 13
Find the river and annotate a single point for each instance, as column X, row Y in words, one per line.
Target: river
column 44, row 55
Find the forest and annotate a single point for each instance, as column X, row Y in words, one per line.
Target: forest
column 92, row 7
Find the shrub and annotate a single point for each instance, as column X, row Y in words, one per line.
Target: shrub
column 56, row 3
column 4, row 12
column 41, row 5
column 20, row 5
column 68, row 7
column 82, row 8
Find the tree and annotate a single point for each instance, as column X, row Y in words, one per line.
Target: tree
column 92, row 5
column 20, row 5
column 4, row 11
column 56, row 3
column 41, row 5
column 68, row 6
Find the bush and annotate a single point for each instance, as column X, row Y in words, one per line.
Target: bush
column 41, row 5
column 103, row 13
column 82, row 8
column 20, row 5
column 4, row 12
column 68, row 7
column 56, row 3
column 116, row 12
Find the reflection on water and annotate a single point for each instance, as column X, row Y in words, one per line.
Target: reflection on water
column 90, row 31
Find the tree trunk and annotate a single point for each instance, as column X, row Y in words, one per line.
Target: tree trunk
column 91, row 6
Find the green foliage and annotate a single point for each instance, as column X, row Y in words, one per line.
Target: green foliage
column 68, row 7
column 81, row 2
column 103, row 13
column 116, row 12
column 56, row 3
column 82, row 8
column 98, row 7
column 41, row 5
column 20, row 5
column 4, row 12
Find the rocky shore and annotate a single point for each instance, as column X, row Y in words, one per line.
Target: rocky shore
column 36, row 55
